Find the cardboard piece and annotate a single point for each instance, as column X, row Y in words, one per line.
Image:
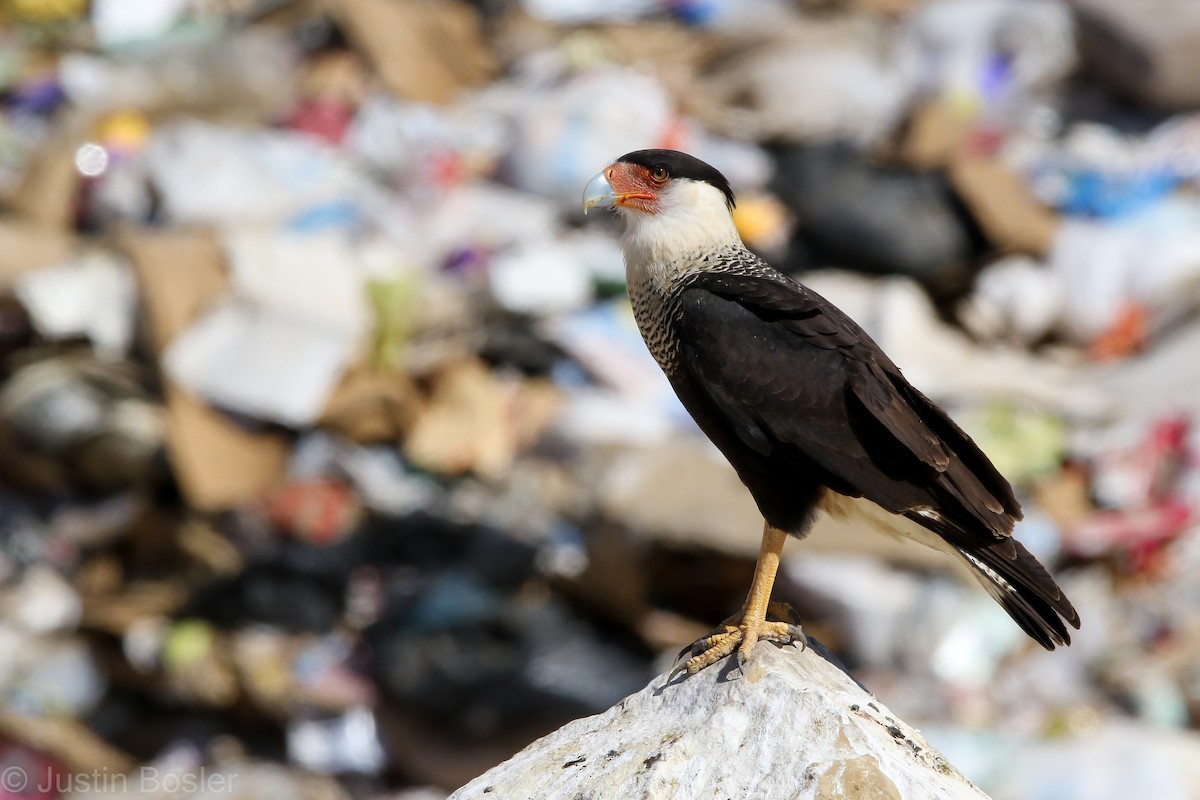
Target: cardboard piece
column 424, row 51
column 372, row 405
column 890, row 7
column 217, row 463
column 48, row 188
column 67, row 740
column 934, row 133
column 476, row 422
column 179, row 274
column 1145, row 51
column 26, row 246
column 1010, row 216
column 1066, row 497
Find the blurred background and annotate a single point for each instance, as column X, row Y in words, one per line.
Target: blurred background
column 333, row 465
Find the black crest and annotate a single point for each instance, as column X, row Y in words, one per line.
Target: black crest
column 681, row 165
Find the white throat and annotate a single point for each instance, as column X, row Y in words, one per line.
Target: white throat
column 692, row 219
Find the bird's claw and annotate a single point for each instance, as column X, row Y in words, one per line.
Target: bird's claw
column 733, row 636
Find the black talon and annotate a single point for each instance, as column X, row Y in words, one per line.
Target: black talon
column 690, row 650
column 692, row 653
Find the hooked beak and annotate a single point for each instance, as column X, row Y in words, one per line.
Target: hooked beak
column 619, row 185
column 629, row 191
column 599, row 193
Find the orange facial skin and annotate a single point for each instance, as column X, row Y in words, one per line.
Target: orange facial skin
column 635, row 186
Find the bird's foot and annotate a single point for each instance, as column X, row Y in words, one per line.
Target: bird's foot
column 741, row 634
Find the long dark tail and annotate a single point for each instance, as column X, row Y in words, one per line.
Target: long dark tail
column 1024, row 588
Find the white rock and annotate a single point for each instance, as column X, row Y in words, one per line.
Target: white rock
column 793, row 726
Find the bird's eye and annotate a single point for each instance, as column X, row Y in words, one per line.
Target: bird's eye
column 659, row 174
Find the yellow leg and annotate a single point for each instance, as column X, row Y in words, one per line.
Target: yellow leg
column 754, row 613
column 742, row 631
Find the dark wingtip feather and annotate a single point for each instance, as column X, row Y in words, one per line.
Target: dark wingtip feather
column 1026, row 591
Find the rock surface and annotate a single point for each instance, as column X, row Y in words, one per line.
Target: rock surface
column 793, row 726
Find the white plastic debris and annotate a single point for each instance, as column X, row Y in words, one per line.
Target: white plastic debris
column 1016, row 300
column 253, row 68
column 592, row 416
column 577, row 12
column 208, row 173
column 599, row 253
column 485, row 216
column 411, row 142
column 1151, row 260
column 1113, row 761
column 296, row 316
column 122, row 22
column 1097, row 271
column 1141, row 391
column 543, row 277
column 88, row 416
column 377, row 472
column 319, row 277
column 272, row 366
column 43, row 602
column 604, row 339
column 142, row 643
column 48, row 675
column 348, row 743
column 94, row 296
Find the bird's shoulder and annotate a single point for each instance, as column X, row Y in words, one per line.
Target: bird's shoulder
column 761, row 344
column 752, row 285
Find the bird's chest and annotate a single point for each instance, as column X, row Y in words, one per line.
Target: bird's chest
column 651, row 294
column 655, row 285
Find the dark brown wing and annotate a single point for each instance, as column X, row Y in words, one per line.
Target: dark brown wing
column 798, row 378
column 802, row 388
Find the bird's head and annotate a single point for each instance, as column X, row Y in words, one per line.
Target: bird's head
column 666, row 197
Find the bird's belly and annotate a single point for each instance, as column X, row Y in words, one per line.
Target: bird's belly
column 862, row 511
column 784, row 490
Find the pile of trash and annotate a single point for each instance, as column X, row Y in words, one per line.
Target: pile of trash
column 333, row 464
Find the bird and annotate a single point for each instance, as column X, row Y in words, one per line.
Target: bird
column 806, row 407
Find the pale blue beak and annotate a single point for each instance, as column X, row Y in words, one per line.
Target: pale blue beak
column 598, row 194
